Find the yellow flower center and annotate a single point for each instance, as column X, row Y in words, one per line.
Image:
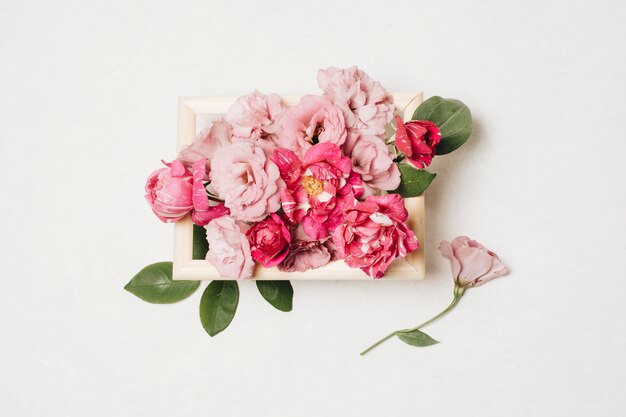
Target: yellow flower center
column 312, row 185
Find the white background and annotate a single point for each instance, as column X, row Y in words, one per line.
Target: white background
column 88, row 96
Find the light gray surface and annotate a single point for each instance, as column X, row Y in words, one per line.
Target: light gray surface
column 88, row 108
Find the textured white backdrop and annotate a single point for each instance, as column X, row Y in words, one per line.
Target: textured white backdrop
column 88, row 108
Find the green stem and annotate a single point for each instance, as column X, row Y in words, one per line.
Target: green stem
column 458, row 293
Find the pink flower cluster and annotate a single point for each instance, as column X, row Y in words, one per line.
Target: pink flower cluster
column 298, row 187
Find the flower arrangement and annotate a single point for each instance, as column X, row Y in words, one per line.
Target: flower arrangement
column 295, row 188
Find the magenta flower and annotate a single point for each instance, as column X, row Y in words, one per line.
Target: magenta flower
column 317, row 187
column 374, row 234
column 417, row 139
column 270, row 240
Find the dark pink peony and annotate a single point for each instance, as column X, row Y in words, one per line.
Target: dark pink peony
column 270, row 240
column 375, row 234
column 417, row 139
column 317, row 187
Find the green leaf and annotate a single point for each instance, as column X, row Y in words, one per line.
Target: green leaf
column 154, row 284
column 200, row 244
column 416, row 338
column 218, row 305
column 277, row 293
column 453, row 118
column 413, row 182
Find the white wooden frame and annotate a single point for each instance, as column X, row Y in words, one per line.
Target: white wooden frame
column 410, row 267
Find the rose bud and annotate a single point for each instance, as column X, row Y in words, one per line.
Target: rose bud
column 417, row 139
column 270, row 240
column 169, row 192
column 472, row 264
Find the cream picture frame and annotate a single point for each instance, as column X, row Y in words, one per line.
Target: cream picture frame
column 413, row 266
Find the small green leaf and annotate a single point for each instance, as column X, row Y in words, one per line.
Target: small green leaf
column 154, row 284
column 413, row 182
column 453, row 118
column 416, row 338
column 277, row 293
column 200, row 244
column 218, row 305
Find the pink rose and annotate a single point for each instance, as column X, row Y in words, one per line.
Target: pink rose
column 317, row 187
column 270, row 240
column 306, row 254
column 247, row 180
column 255, row 116
column 375, row 234
column 229, row 250
column 313, row 120
column 366, row 105
column 417, row 139
column 172, row 192
column 472, row 264
column 169, row 192
column 207, row 142
column 372, row 160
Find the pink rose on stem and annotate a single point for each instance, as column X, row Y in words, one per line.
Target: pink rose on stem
column 306, row 254
column 255, row 116
column 169, row 192
column 207, row 142
column 374, row 234
column 247, row 180
column 372, row 160
column 229, row 250
column 472, row 265
column 417, row 139
column 313, row 120
column 317, row 187
column 366, row 106
column 270, row 240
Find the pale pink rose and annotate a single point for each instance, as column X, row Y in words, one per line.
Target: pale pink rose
column 255, row 116
column 366, row 105
column 229, row 250
column 313, row 120
column 317, row 187
column 375, row 234
column 207, row 142
column 169, row 192
column 472, row 264
column 247, row 180
column 372, row 160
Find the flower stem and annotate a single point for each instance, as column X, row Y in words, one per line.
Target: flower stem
column 458, row 293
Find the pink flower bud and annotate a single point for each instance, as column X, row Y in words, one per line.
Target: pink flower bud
column 472, row 264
